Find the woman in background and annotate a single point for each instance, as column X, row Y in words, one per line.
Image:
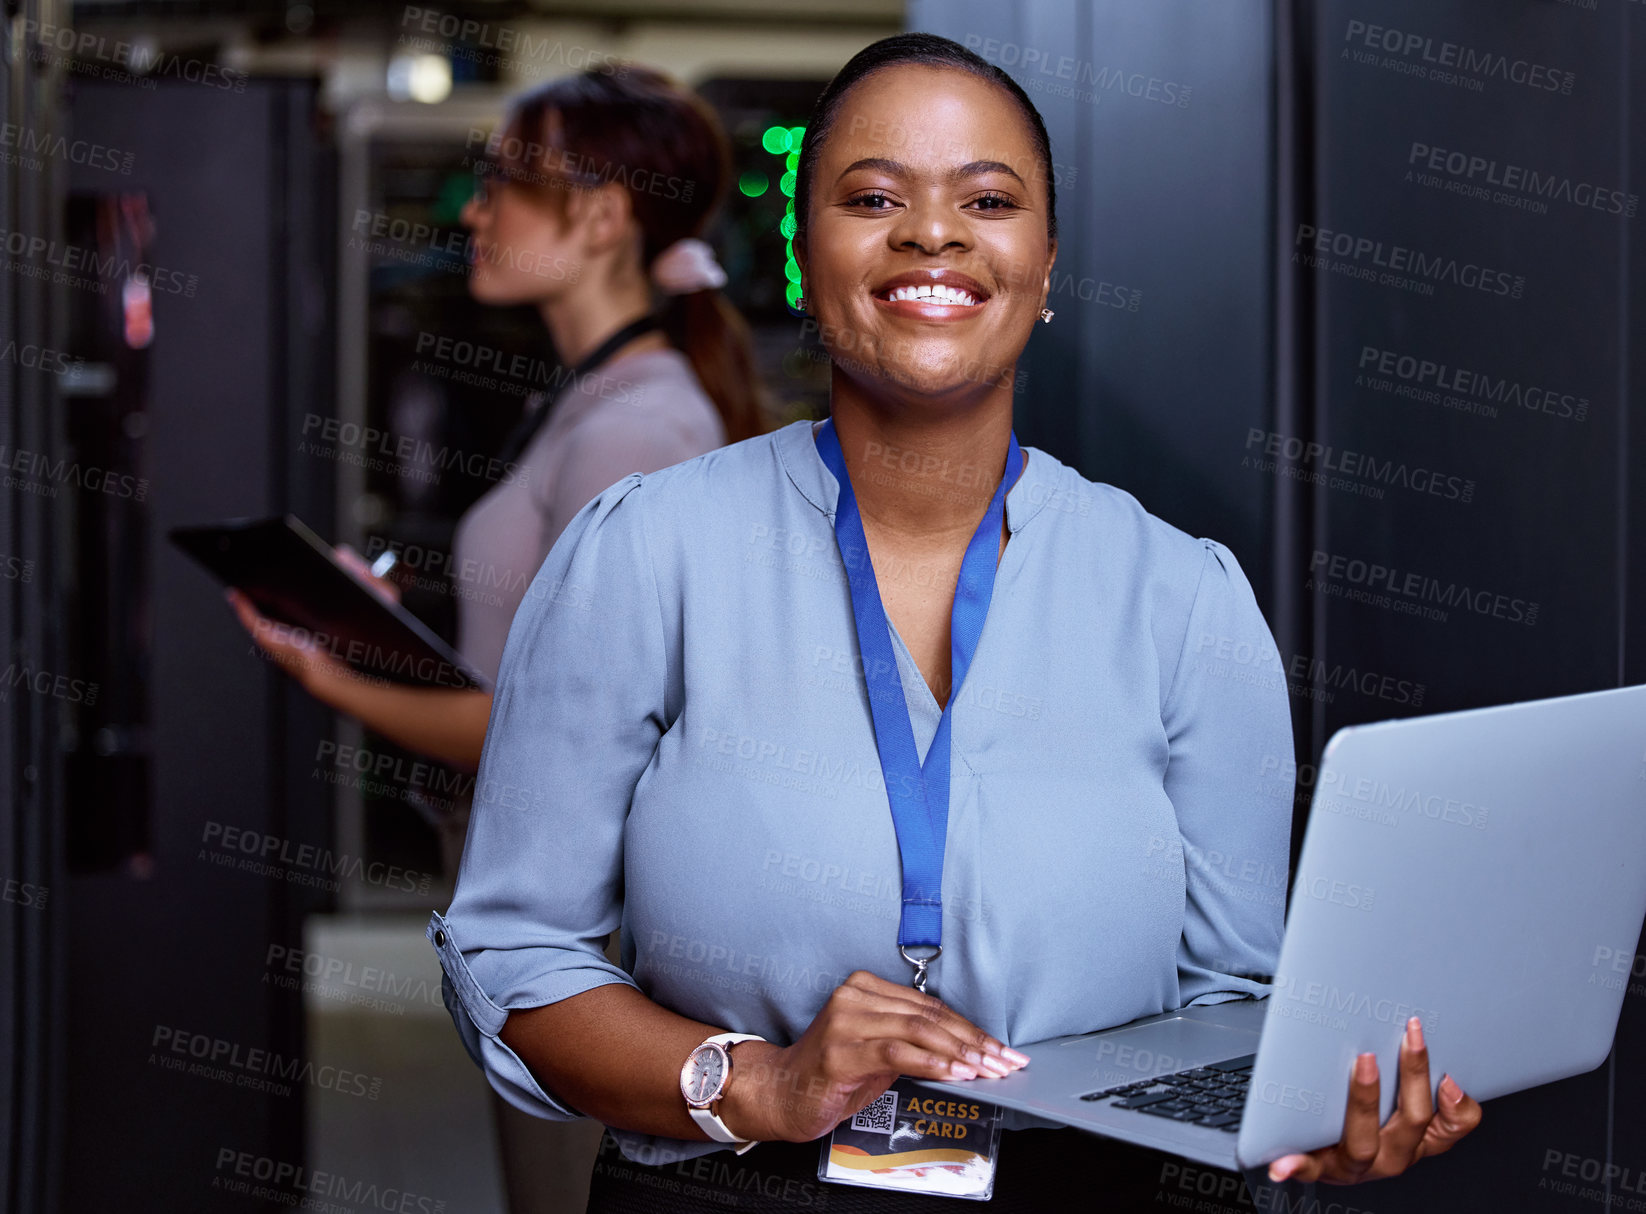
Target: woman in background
column 589, row 205
column 590, row 202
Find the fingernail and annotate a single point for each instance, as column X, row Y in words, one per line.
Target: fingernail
column 1280, row 1169
column 1366, row 1068
column 994, row 1047
column 961, row 1071
column 1450, row 1090
column 1011, row 1055
column 1414, row 1034
column 995, row 1067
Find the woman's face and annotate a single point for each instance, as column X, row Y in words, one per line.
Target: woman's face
column 928, row 177
column 523, row 250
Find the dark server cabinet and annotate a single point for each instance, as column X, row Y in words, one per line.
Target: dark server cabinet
column 30, row 732
column 1476, row 182
column 178, row 1047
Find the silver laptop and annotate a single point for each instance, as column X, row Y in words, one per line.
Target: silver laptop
column 1484, row 870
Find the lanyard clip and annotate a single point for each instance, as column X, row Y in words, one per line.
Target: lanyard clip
column 920, row 964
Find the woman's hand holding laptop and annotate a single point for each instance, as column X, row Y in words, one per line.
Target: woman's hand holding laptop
column 1414, row 1130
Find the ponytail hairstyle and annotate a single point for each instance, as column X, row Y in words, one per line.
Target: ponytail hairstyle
column 636, row 126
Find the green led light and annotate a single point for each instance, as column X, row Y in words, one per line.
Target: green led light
column 787, row 226
column 793, row 162
column 786, row 184
column 792, row 270
column 796, row 134
column 775, row 140
column 455, row 191
column 753, row 183
column 792, row 293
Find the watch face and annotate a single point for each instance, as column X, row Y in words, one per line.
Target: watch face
column 704, row 1074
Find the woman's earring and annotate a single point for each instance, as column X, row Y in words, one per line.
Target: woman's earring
column 800, row 302
column 1046, row 315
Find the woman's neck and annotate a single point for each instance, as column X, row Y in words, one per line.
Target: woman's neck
column 580, row 320
column 921, row 478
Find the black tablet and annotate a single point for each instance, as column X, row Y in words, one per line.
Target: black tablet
column 291, row 575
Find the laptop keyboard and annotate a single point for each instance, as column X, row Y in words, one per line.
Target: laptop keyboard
column 1212, row 1096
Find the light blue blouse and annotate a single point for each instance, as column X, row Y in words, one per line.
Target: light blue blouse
column 681, row 749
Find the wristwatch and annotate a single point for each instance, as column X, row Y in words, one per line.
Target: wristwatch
column 703, row 1079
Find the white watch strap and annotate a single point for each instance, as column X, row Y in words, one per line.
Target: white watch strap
column 706, row 1120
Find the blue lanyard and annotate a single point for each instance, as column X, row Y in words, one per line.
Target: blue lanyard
column 919, row 795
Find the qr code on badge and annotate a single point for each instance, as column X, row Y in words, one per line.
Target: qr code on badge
column 879, row 1116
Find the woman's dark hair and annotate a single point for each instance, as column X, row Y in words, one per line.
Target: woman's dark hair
column 929, row 50
column 641, row 128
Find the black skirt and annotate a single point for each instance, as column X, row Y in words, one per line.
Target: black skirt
column 1062, row 1171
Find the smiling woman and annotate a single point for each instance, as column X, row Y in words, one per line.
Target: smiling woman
column 1034, row 713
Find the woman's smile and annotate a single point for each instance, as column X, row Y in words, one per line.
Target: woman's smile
column 932, row 294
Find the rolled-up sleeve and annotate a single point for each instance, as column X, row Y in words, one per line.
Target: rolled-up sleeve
column 1228, row 725
column 576, row 719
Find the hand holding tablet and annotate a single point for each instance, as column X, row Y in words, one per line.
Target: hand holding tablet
column 321, row 612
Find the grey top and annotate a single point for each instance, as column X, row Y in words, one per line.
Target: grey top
column 681, row 750
column 636, row 413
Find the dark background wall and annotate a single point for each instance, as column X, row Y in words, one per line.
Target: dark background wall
column 1524, row 486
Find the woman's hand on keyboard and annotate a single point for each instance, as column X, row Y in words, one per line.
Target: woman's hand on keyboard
column 868, row 1033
